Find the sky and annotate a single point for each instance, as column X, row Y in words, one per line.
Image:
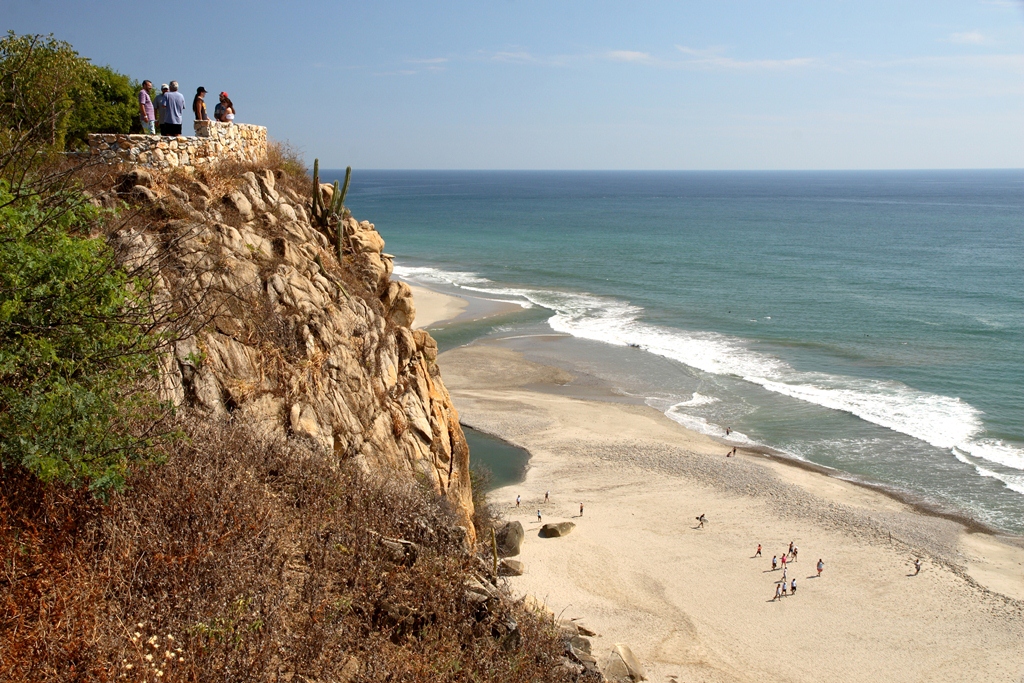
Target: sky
column 576, row 84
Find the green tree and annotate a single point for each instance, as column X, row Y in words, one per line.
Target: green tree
column 104, row 101
column 76, row 337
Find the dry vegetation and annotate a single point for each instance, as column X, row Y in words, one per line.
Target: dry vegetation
column 243, row 557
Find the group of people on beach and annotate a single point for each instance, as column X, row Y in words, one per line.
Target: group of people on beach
column 167, row 109
column 787, row 586
column 547, row 499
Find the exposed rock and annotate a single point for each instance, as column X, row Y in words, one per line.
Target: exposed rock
column 556, row 529
column 141, row 193
column 237, row 201
column 579, row 644
column 179, row 193
column 510, row 538
column 622, row 666
column 509, row 567
column 134, row 178
column 201, row 190
column 585, row 630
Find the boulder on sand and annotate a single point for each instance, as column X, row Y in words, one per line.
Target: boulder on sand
column 622, row 665
column 556, row 529
column 510, row 538
column 511, row 568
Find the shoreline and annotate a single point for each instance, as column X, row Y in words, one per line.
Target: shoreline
column 626, row 578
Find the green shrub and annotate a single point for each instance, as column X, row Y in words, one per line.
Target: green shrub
column 74, row 343
column 103, row 102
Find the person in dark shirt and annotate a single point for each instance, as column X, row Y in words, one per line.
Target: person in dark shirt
column 199, row 104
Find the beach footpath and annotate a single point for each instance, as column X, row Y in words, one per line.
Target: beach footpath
column 692, row 600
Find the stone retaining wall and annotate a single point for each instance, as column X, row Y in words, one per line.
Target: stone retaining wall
column 214, row 142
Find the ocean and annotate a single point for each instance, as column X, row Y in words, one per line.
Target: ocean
column 869, row 322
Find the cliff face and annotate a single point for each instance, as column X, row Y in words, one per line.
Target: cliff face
column 296, row 342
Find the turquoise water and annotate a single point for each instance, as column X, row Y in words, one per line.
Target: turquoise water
column 872, row 322
column 505, row 464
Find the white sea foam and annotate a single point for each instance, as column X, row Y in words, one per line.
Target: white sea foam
column 942, row 421
column 697, row 400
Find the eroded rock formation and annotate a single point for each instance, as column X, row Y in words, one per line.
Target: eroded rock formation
column 295, row 342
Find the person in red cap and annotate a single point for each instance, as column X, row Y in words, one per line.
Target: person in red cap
column 199, row 104
column 225, row 109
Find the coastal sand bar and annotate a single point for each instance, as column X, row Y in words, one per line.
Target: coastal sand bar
column 693, row 603
column 435, row 307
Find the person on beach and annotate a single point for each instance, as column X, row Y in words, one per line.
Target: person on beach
column 701, row 519
column 917, row 566
column 795, row 551
column 775, row 562
column 784, row 587
column 785, row 575
column 821, row 565
column 518, row 498
column 783, row 562
column 538, row 515
column 758, row 553
column 778, row 592
column 199, row 105
column 146, row 114
column 175, row 108
column 546, row 495
column 734, row 450
column 790, row 548
column 792, row 587
column 728, row 431
column 581, row 509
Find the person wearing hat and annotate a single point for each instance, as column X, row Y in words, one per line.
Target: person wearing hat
column 199, row 104
column 225, row 109
column 161, row 105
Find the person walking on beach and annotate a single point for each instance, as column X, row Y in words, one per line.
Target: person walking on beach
column 785, row 576
column 917, row 566
column 175, row 108
column 775, row 562
column 518, row 498
column 784, row 586
column 581, row 509
column 146, row 115
column 758, row 553
column 538, row 515
column 790, row 548
column 792, row 587
column 546, row 495
column 795, row 551
column 701, row 519
column 778, row 592
column 783, row 562
column 821, row 565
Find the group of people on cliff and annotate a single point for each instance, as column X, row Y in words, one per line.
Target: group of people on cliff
column 167, row 109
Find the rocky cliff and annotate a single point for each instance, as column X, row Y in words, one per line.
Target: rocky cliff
column 293, row 340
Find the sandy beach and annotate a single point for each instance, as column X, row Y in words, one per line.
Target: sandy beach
column 693, row 603
column 435, row 307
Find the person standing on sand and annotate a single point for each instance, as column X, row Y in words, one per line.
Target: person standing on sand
column 734, row 450
column 917, row 566
column 538, row 515
column 546, row 495
column 790, row 548
column 518, row 498
column 784, row 586
column 775, row 562
column 785, row 575
column 758, row 553
column 792, row 587
column 778, row 592
column 783, row 562
column 821, row 565
column 581, row 509
column 795, row 551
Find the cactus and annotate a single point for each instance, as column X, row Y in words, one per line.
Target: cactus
column 338, row 209
column 317, row 199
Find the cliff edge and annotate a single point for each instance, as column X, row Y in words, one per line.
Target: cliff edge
column 297, row 342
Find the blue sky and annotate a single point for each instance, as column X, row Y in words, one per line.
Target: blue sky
column 571, row 84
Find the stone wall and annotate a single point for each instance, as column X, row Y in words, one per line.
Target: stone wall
column 214, row 142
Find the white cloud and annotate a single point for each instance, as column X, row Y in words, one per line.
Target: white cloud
column 713, row 59
column 434, row 60
column 968, row 38
column 628, row 56
column 516, row 57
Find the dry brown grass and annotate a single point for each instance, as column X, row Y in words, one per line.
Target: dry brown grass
column 256, row 556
